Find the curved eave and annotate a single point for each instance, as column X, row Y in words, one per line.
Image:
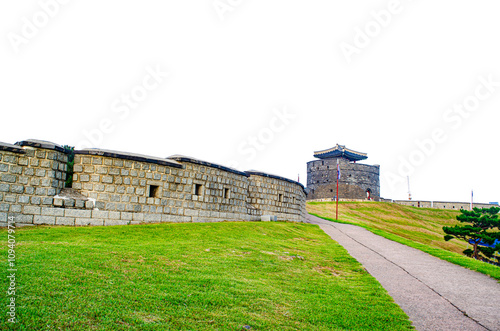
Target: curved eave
column 350, row 155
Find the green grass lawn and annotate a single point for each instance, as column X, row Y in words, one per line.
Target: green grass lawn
column 196, row 276
column 421, row 228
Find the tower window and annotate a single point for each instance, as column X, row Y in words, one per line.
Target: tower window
column 153, row 191
column 198, row 189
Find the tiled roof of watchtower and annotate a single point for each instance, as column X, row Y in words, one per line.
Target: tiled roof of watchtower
column 340, row 151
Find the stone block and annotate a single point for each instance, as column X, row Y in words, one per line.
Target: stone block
column 40, row 172
column 110, row 206
column 110, row 188
column 79, row 203
column 115, row 215
column 18, row 189
column 139, row 217
column 4, row 167
column 41, row 191
column 47, row 201
column 40, row 219
column 33, row 210
column 23, row 180
column 191, row 212
column 35, row 200
column 58, row 202
column 88, row 222
column 45, row 164
column 116, row 222
column 14, row 169
column 166, row 218
column 81, row 213
column 24, row 199
column 4, row 187
column 52, row 211
column 10, row 198
column 15, row 208
column 100, row 214
column 69, row 202
column 40, row 154
column 88, row 187
column 8, row 178
column 4, row 207
column 97, row 160
column 152, row 218
column 268, row 218
column 101, row 170
column 65, row 221
column 10, row 159
column 126, row 216
column 89, row 204
column 24, row 218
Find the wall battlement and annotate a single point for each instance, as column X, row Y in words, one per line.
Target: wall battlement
column 453, row 205
column 111, row 187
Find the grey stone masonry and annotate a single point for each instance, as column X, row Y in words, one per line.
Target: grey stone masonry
column 31, row 172
column 357, row 181
column 119, row 188
column 441, row 204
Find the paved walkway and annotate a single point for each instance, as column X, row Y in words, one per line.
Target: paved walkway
column 435, row 294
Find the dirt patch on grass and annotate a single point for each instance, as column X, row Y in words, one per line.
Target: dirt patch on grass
column 327, row 271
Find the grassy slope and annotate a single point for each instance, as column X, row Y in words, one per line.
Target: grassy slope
column 420, row 228
column 216, row 276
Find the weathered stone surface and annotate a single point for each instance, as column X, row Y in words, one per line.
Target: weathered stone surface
column 78, row 213
column 65, row 221
column 32, row 210
column 40, row 219
column 116, row 222
column 88, row 221
column 133, row 188
column 357, row 181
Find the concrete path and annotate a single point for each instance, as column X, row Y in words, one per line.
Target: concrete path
column 435, row 294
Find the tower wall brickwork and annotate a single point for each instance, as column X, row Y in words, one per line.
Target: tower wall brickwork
column 357, row 182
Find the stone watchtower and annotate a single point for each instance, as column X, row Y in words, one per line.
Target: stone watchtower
column 357, row 181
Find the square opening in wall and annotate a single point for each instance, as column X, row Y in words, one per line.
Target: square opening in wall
column 280, row 197
column 226, row 194
column 198, row 189
column 154, row 191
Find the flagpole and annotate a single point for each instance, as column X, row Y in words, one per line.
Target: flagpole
column 471, row 199
column 337, row 207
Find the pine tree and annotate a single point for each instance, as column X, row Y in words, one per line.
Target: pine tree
column 481, row 230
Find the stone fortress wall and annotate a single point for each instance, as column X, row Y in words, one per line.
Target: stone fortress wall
column 440, row 204
column 355, row 181
column 111, row 187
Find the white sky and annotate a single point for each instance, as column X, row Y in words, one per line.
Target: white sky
column 231, row 70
